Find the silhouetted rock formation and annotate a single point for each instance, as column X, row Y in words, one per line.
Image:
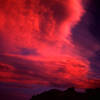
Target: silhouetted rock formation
column 70, row 94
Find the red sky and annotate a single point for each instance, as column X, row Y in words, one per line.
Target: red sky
column 36, row 44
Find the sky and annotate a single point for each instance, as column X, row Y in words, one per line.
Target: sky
column 47, row 44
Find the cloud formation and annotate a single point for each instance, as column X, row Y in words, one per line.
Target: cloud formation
column 45, row 72
column 43, row 25
column 36, row 43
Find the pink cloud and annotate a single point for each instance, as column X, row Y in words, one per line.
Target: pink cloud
column 40, row 26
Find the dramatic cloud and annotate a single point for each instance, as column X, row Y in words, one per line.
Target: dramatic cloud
column 39, row 45
column 42, row 71
column 43, row 25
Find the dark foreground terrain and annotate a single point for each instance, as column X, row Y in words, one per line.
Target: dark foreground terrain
column 70, row 94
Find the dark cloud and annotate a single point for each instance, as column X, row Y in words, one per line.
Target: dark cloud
column 95, row 65
column 27, row 51
column 57, row 8
column 86, row 37
column 94, row 9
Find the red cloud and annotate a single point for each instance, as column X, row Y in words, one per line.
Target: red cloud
column 46, row 72
column 43, row 25
column 38, row 23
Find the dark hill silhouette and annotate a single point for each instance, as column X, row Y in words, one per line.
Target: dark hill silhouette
column 70, row 94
